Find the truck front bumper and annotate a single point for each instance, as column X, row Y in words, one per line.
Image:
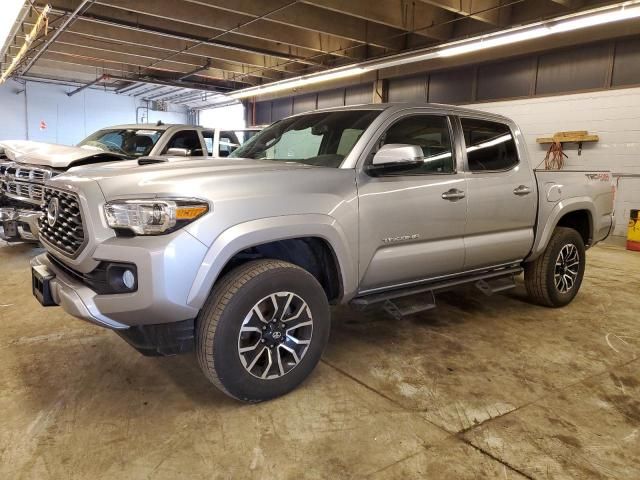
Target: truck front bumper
column 52, row 286
column 165, row 267
column 18, row 225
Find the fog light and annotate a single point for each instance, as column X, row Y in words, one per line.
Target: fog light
column 122, row 277
column 129, row 279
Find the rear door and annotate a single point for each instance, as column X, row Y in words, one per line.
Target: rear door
column 411, row 225
column 501, row 192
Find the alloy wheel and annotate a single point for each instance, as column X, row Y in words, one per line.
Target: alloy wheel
column 567, row 268
column 275, row 335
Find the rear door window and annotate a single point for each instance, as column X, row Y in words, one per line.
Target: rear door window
column 490, row 145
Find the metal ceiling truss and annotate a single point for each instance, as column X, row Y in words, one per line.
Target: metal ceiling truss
column 144, row 47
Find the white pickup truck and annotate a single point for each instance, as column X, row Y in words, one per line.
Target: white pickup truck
column 26, row 165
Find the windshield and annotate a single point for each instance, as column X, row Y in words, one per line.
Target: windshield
column 322, row 139
column 129, row 142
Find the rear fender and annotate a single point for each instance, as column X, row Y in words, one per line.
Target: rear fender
column 560, row 209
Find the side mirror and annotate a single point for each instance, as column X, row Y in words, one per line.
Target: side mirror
column 178, row 152
column 397, row 155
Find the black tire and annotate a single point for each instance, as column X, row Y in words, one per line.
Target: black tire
column 227, row 309
column 540, row 274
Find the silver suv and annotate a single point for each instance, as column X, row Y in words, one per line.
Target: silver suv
column 241, row 258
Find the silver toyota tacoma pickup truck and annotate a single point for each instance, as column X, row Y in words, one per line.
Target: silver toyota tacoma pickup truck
column 241, row 258
column 26, row 165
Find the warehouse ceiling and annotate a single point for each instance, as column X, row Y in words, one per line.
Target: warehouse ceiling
column 192, row 51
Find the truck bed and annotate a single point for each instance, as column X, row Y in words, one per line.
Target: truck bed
column 566, row 190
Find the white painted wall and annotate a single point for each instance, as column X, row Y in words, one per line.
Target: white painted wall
column 12, row 111
column 68, row 119
column 614, row 115
column 230, row 117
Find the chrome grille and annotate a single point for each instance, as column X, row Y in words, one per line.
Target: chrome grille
column 67, row 232
column 24, row 183
column 34, row 174
column 23, row 191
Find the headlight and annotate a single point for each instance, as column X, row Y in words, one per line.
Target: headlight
column 154, row 216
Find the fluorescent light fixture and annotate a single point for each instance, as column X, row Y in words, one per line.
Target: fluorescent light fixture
column 495, row 41
column 600, row 16
column 10, row 11
column 625, row 13
column 40, row 23
column 561, row 26
column 297, row 82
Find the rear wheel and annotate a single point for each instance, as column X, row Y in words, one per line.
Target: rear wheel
column 554, row 278
column 262, row 330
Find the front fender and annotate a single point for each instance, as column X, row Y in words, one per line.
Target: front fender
column 265, row 230
column 560, row 209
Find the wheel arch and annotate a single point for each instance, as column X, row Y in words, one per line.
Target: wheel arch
column 289, row 238
column 577, row 213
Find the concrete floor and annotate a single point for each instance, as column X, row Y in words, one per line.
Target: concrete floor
column 478, row 388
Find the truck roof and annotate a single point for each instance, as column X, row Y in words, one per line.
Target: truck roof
column 148, row 126
column 403, row 105
column 166, row 126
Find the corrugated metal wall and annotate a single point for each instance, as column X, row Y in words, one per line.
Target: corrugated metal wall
column 270, row 111
column 596, row 66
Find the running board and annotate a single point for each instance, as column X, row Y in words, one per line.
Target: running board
column 404, row 306
column 496, row 285
column 396, row 303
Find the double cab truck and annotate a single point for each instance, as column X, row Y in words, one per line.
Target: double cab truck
column 241, row 258
column 25, row 165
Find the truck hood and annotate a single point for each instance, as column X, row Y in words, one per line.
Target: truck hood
column 51, row 155
column 129, row 178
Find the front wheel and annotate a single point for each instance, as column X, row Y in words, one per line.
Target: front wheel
column 554, row 278
column 262, row 330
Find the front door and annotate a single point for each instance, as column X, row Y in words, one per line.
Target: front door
column 412, row 220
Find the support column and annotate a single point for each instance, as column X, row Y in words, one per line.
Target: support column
column 380, row 91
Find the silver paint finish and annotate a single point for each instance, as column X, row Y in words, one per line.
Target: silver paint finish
column 491, row 221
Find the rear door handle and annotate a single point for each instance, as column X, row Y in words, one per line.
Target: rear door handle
column 522, row 190
column 453, row 195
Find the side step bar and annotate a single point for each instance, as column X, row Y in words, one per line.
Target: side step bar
column 397, row 304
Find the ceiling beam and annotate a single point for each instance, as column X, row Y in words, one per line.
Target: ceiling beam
column 423, row 19
column 161, row 95
column 493, row 12
column 151, row 90
column 167, row 28
column 243, row 25
column 52, row 70
column 115, row 59
column 126, row 35
column 569, row 3
column 128, row 72
column 150, row 54
column 315, row 19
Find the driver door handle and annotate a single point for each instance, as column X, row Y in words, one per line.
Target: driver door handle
column 522, row 190
column 453, row 195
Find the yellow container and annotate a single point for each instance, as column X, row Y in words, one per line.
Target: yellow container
column 633, row 233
